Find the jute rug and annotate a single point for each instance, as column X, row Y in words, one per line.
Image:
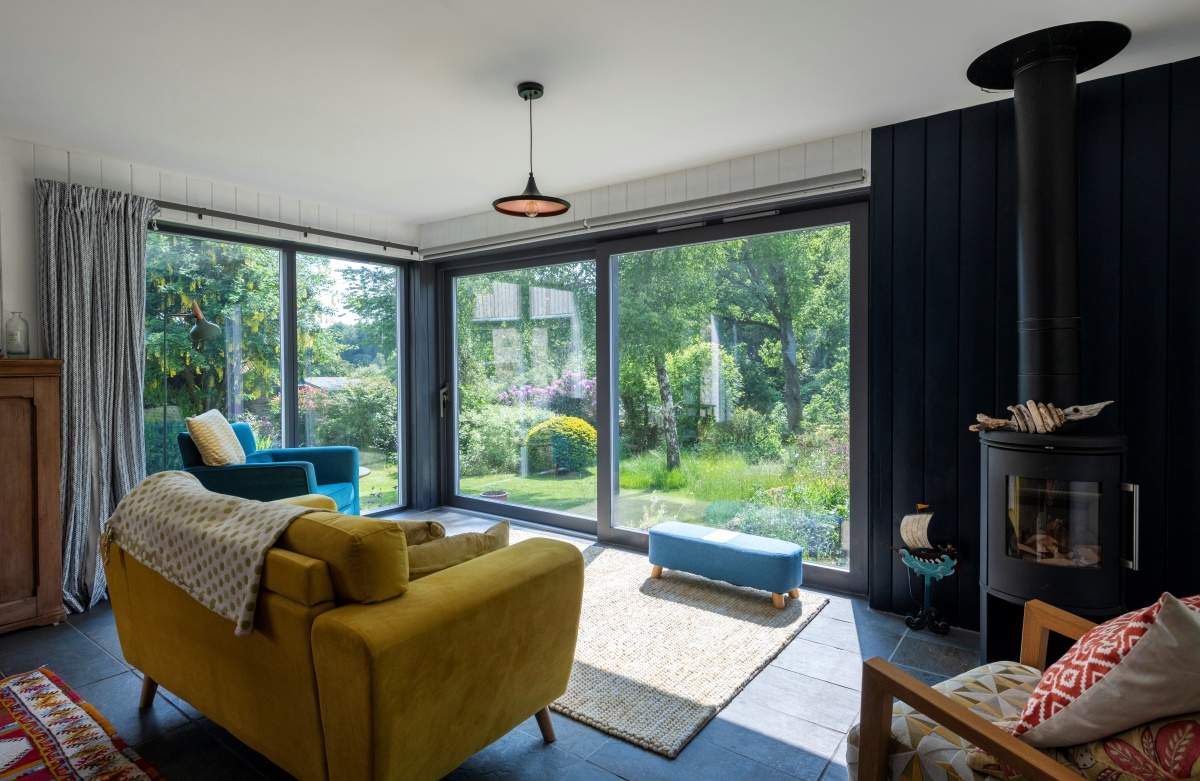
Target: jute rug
column 47, row 732
column 658, row 659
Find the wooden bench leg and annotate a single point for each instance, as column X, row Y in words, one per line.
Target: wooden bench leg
column 656, row 571
column 149, row 689
column 794, row 593
column 777, row 600
column 543, row 722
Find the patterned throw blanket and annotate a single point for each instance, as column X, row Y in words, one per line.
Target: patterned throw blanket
column 210, row 545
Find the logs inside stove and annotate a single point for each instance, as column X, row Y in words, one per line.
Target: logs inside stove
column 1051, row 503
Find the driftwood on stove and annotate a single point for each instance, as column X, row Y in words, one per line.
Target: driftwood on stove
column 1034, row 417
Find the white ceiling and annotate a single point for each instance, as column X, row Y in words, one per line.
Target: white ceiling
column 409, row 109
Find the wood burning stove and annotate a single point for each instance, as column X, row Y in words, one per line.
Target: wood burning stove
column 1051, row 503
column 1053, row 510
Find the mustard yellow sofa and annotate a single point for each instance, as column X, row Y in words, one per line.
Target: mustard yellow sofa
column 352, row 672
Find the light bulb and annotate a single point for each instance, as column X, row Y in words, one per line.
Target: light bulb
column 531, row 209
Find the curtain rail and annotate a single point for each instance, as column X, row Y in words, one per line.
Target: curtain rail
column 202, row 212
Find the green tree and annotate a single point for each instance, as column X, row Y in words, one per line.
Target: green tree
column 665, row 298
column 795, row 285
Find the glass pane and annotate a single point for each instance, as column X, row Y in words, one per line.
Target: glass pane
column 236, row 371
column 1054, row 522
column 733, row 382
column 346, row 367
column 526, row 353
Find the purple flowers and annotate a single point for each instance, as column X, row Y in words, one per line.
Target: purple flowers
column 571, row 385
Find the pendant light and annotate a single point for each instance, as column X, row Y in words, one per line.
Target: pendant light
column 530, row 203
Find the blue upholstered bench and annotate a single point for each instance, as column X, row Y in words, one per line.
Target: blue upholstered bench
column 740, row 559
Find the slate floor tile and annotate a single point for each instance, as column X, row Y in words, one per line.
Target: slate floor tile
column 959, row 638
column 823, row 662
column 867, row 642
column 819, row 702
column 794, row 746
column 571, row 736
column 192, row 754
column 117, row 699
column 699, row 761
column 586, row 771
column 924, row 676
column 945, row 660
column 517, row 755
column 264, row 766
column 73, row 658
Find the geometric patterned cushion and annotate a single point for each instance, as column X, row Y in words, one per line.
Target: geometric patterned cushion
column 923, row 750
column 215, row 440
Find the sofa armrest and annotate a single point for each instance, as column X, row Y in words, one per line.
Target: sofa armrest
column 413, row 686
column 264, row 482
column 1039, row 621
column 882, row 681
column 331, row 464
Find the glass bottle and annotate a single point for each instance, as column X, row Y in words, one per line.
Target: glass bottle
column 16, row 336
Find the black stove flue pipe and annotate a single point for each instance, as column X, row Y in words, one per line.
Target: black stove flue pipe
column 1041, row 68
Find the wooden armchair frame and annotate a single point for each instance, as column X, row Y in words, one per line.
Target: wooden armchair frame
column 883, row 681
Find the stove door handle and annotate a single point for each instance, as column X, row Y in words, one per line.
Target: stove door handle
column 1136, row 490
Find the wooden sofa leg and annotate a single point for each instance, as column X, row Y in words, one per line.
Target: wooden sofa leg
column 149, row 689
column 794, row 593
column 656, row 571
column 777, row 600
column 543, row 721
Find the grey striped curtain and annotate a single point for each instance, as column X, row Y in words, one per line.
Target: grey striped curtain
column 92, row 284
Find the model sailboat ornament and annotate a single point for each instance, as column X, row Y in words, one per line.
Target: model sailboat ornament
column 931, row 563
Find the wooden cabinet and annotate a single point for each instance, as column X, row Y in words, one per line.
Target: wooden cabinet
column 30, row 513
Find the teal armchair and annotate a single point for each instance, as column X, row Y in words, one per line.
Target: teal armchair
column 280, row 472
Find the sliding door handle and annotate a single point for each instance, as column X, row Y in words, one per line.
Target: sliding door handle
column 443, row 400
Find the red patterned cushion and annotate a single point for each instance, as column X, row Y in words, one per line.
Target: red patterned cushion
column 1136, row 668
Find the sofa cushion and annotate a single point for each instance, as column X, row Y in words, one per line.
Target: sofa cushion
column 437, row 555
column 215, row 440
column 342, row 494
column 1164, row 749
column 923, row 749
column 299, row 578
column 1136, row 668
column 367, row 557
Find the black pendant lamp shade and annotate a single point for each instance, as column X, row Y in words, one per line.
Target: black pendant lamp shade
column 530, row 203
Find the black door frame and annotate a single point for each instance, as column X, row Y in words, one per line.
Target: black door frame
column 854, row 213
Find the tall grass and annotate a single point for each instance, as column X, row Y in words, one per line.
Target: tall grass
column 705, row 477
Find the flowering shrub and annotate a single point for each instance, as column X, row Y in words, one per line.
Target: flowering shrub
column 574, row 393
column 562, row 442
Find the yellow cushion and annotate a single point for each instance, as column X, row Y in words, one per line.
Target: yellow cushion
column 315, row 501
column 296, row 577
column 215, row 440
column 444, row 553
column 420, row 532
column 367, row 557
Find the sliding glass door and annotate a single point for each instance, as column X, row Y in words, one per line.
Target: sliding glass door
column 308, row 354
column 236, row 372
column 524, row 425
column 733, row 382
column 346, row 363
column 734, row 356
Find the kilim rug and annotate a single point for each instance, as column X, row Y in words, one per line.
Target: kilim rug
column 47, row 732
column 658, row 659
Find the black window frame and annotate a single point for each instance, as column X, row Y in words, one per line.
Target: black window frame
column 288, row 330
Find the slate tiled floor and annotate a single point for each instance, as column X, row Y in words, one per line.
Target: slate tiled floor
column 788, row 723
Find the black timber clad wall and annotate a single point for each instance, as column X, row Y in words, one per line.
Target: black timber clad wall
column 943, row 318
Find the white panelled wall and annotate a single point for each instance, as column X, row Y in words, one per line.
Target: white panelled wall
column 777, row 166
column 21, row 162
